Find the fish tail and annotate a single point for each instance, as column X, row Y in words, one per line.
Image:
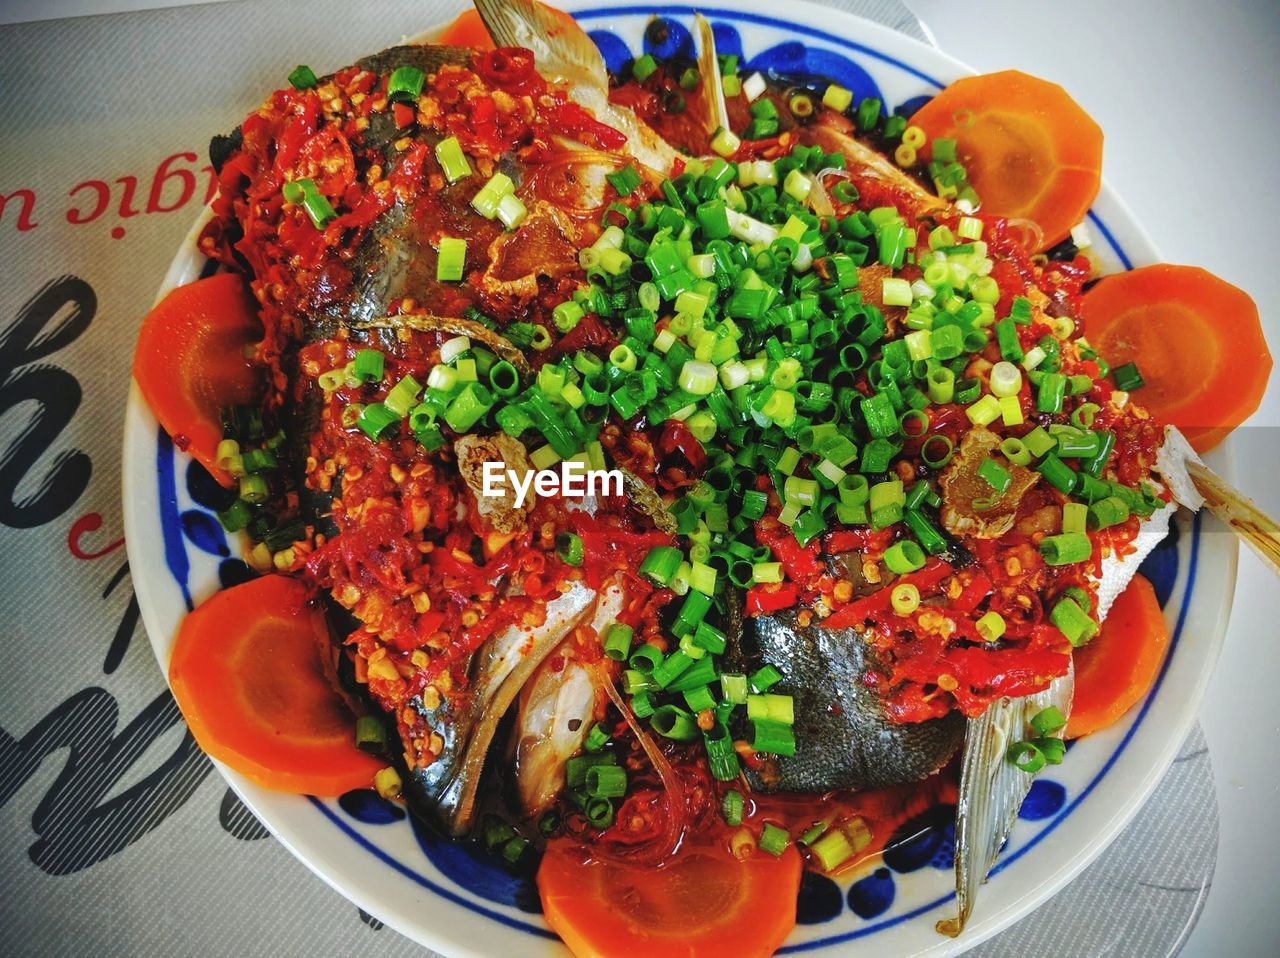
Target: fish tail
column 992, row 790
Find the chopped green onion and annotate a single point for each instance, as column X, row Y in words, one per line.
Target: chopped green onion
column 771, row 707
column 597, row 738
column 1048, row 720
column 1073, row 621
column 675, row 723
column 453, row 162
column 661, row 564
column 774, row 840
column 990, row 626
column 995, row 475
column 1109, row 511
column 1074, row 517
column 405, row 84
column 1026, row 756
column 1066, row 548
column 319, row 209
column 765, row 678
column 905, row 598
column 644, row 67
column 903, row 557
column 376, row 421
column 731, row 807
column 625, row 180
column 984, row 412
column 302, row 77
column 1127, row 377
column 733, row 688
column 569, row 548
column 617, row 641
column 452, row 259
column 369, row 364
column 606, row 781
column 511, row 211
column 371, row 733
column 773, row 738
column 725, row 143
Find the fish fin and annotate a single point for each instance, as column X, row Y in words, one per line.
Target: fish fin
column 992, row 789
column 1173, row 462
column 709, row 66
column 564, row 613
column 870, row 161
column 557, row 709
column 559, row 45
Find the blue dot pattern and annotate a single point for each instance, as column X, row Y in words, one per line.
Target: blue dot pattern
column 872, row 896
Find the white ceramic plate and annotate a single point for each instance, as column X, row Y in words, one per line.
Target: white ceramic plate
column 439, row 894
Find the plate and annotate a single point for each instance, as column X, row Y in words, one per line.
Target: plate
column 460, row 903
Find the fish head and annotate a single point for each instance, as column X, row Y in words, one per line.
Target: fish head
column 465, row 718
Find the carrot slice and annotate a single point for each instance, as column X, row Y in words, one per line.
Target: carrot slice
column 1119, row 665
column 1029, row 149
column 190, row 361
column 248, row 673
column 703, row 902
column 1197, row 341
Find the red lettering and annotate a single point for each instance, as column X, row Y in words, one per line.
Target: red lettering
column 163, row 173
column 25, row 222
column 79, row 216
column 130, row 184
column 90, row 522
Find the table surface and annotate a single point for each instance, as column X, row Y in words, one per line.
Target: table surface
column 1143, row 69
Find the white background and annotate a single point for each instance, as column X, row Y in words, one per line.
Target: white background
column 1187, row 94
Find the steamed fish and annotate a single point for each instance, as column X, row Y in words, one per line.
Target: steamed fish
column 467, row 258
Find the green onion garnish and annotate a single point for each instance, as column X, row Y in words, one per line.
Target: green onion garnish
column 453, row 162
column 773, row 840
column 1065, row 548
column 405, row 84
column 731, row 807
column 1127, row 377
column 452, row 259
column 302, row 77
column 570, row 549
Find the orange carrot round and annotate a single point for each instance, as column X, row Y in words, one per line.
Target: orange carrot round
column 1196, row 339
column 248, row 674
column 702, row 902
column 190, row 361
column 1029, row 150
column 1119, row 665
